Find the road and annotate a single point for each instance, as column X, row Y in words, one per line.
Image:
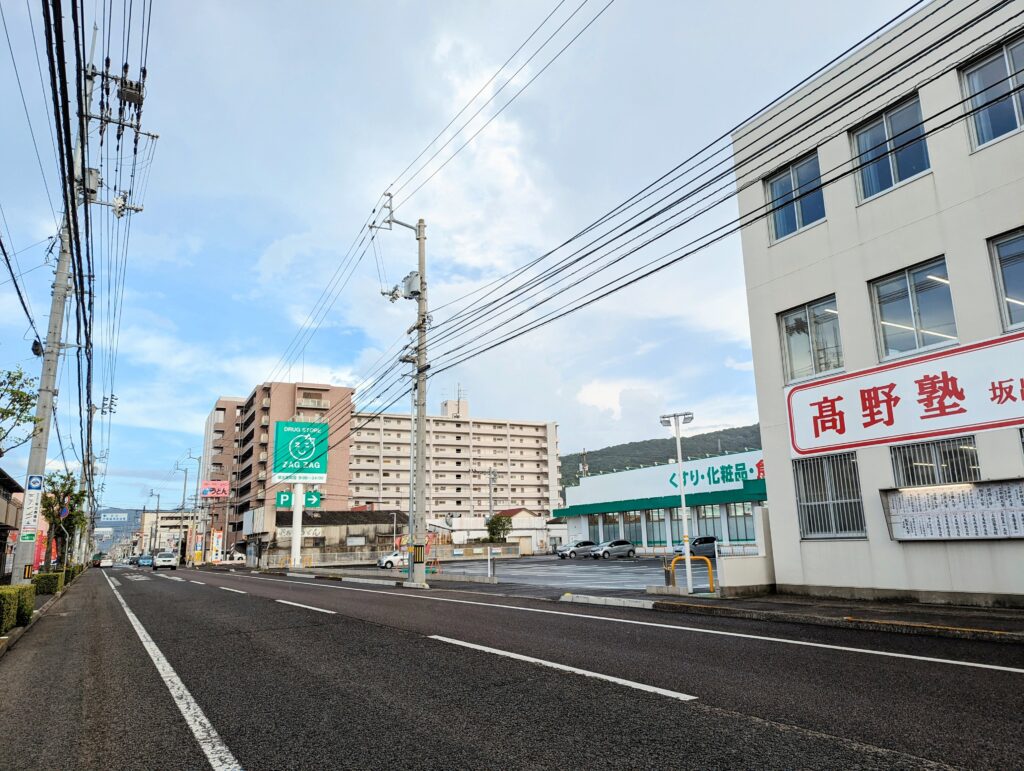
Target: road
column 226, row 670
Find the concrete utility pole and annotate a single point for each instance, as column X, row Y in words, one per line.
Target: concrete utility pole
column 492, row 477
column 414, row 286
column 153, row 545
column 674, row 421
column 298, row 500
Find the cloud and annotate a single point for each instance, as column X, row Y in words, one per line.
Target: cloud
column 740, row 366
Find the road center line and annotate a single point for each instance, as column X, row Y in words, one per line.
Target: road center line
column 307, row 607
column 565, row 668
column 217, row 753
column 229, row 589
column 632, row 622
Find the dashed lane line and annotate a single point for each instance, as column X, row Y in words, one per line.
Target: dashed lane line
column 216, row 751
column 201, row 583
column 307, row 607
column 654, row 624
column 229, row 589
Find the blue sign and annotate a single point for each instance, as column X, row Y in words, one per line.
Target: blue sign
column 64, row 512
column 35, row 482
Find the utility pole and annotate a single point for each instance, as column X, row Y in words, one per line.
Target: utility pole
column 153, row 546
column 492, row 477
column 182, row 554
column 414, row 286
column 193, row 518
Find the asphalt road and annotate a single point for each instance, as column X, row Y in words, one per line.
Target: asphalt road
column 215, row 669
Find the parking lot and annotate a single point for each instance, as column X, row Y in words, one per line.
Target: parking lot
column 574, row 575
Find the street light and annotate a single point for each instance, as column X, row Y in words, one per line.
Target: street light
column 674, row 421
column 156, row 525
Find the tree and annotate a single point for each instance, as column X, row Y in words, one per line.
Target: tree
column 61, row 491
column 498, row 527
column 18, row 396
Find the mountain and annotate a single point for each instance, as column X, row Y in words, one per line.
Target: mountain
column 652, row 451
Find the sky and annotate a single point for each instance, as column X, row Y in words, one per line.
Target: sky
column 281, row 125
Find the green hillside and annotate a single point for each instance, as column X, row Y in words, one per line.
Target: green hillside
column 652, row 451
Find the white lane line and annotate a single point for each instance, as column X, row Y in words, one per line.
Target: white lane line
column 217, row 753
column 307, row 607
column 674, row 627
column 565, row 668
column 201, row 583
column 113, row 580
column 229, row 589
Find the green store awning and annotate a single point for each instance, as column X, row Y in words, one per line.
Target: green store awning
column 754, row 491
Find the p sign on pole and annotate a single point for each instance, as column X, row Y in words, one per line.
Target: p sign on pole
column 300, row 458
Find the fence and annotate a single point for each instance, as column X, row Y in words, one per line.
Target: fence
column 315, row 558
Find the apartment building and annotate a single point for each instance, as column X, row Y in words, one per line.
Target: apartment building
column 885, row 286
column 252, row 491
column 220, row 453
column 469, row 460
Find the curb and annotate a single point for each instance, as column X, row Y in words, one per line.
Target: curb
column 611, row 602
column 843, row 622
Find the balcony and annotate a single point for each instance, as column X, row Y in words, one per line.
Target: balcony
column 263, row 457
column 313, row 404
column 265, row 404
column 261, row 476
column 265, row 420
column 264, row 438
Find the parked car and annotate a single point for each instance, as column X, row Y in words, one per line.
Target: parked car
column 613, row 549
column 106, row 562
column 165, row 559
column 396, row 557
column 133, row 560
column 575, row 549
column 702, row 546
column 145, row 561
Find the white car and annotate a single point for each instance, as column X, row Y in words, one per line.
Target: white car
column 388, row 561
column 106, row 562
column 165, row 559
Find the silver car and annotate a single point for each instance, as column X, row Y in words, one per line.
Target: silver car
column 397, row 557
column 613, row 549
column 575, row 549
column 701, row 546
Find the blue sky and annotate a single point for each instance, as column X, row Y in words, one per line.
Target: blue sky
column 278, row 131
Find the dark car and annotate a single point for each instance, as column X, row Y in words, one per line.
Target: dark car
column 701, row 546
column 575, row 549
column 133, row 559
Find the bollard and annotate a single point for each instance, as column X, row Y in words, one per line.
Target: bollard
column 670, row 574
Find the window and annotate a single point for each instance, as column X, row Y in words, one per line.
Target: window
column 795, row 197
column 914, row 309
column 828, row 496
column 811, row 342
column 988, row 83
column 611, row 527
column 891, row 149
column 708, row 520
column 740, row 517
column 1009, row 258
column 631, row 527
column 946, row 462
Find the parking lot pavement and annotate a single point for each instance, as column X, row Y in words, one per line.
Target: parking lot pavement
column 579, row 574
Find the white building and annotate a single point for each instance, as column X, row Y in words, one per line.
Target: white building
column 469, row 462
column 887, row 312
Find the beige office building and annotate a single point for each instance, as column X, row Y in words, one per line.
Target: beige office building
column 464, row 455
column 886, row 300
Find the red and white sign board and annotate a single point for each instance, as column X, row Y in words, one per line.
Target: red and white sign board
column 976, row 387
column 214, row 489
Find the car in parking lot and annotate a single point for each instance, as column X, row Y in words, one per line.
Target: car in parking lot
column 165, row 559
column 609, row 549
column 388, row 561
column 575, row 549
column 145, row 561
column 701, row 546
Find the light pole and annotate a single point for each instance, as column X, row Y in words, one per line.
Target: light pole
column 675, row 420
column 156, row 522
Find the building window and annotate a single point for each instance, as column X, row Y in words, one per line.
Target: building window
column 891, row 149
column 988, row 83
column 631, row 527
column 740, row 518
column 828, row 496
column 795, row 197
column 811, row 342
column 914, row 309
column 945, row 462
column 611, row 527
column 708, row 520
column 1009, row 259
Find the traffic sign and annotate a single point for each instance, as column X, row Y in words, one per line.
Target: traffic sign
column 300, row 452
column 35, row 482
column 311, row 500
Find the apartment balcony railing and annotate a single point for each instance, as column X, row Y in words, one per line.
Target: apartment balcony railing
column 265, row 403
column 261, row 476
column 313, row 404
column 264, row 456
column 264, row 438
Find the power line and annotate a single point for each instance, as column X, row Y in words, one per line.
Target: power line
column 17, row 289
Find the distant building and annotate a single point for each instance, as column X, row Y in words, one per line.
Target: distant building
column 220, row 459
column 11, row 498
column 886, row 298
column 462, row 453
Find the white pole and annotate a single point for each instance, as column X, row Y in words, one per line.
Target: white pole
column 298, row 498
column 682, row 506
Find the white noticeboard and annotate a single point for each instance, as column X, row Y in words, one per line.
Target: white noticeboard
column 985, row 510
column 30, row 511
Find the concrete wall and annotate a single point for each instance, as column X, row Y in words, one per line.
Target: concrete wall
column 969, row 196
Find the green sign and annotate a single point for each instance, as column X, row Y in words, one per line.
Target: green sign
column 311, row 500
column 27, row 537
column 300, row 452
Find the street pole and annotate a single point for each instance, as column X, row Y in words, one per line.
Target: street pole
column 182, row 553
column 420, row 523
column 674, row 421
column 298, row 499
column 492, row 475
column 154, row 546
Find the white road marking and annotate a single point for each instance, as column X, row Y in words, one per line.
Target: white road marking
column 564, row 668
column 137, row 578
column 229, row 589
column 674, row 627
column 307, row 607
column 170, row 578
column 113, row 580
column 217, row 753
column 201, row 583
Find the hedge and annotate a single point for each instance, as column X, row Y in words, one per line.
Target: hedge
column 71, row 572
column 49, row 583
column 16, row 606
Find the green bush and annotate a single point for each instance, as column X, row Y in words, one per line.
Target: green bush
column 8, row 608
column 26, row 603
column 49, row 583
column 71, row 573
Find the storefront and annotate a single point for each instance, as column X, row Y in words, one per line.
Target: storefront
column 642, row 505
